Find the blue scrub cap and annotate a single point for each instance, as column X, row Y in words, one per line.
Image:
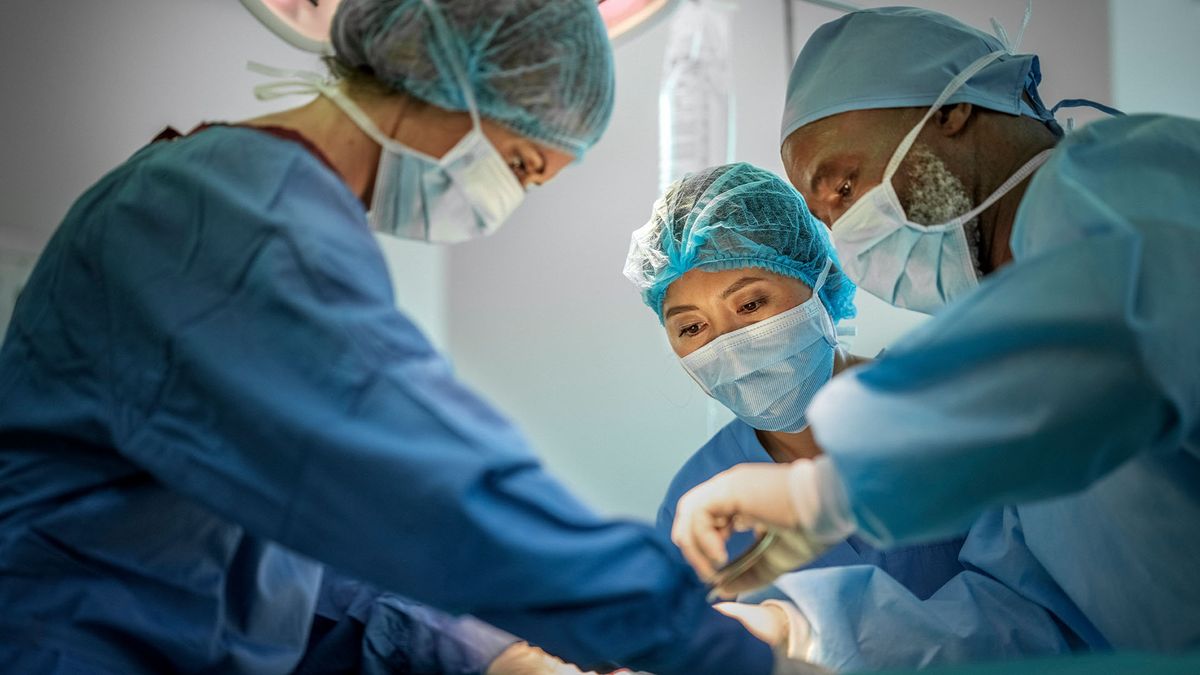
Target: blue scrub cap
column 899, row 57
column 730, row 217
column 542, row 68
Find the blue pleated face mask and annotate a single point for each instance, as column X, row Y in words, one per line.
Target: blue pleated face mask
column 767, row 372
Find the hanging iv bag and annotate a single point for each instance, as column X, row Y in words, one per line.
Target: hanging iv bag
column 696, row 103
column 696, row 109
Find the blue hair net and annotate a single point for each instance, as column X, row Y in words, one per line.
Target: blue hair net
column 899, row 57
column 730, row 217
column 542, row 68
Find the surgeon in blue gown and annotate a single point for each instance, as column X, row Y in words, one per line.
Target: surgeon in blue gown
column 218, row 436
column 739, row 224
column 1050, row 408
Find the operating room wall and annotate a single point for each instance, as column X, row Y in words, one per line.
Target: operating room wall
column 88, row 83
column 543, row 322
column 1156, row 56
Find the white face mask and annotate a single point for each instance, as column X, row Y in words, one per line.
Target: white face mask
column 768, row 372
column 905, row 263
column 469, row 192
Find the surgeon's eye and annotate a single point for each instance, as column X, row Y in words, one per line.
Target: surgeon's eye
column 752, row 306
column 844, row 190
column 690, row 330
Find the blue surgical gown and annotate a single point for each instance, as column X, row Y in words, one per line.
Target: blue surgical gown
column 209, row 399
column 1053, row 412
column 921, row 568
column 357, row 629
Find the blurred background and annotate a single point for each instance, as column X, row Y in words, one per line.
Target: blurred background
column 537, row 317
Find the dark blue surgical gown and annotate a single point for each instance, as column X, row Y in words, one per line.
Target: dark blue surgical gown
column 1054, row 413
column 208, row 403
column 921, row 568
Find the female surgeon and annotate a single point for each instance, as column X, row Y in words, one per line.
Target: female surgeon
column 746, row 283
column 211, row 404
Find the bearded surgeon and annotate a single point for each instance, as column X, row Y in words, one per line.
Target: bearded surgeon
column 1048, row 409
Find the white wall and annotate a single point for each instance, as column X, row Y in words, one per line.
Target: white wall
column 1156, row 56
column 88, row 83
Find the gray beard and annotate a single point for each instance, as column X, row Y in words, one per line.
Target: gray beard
column 936, row 195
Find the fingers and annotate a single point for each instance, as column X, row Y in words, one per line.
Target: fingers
column 711, row 542
column 766, row 623
column 694, row 530
column 525, row 659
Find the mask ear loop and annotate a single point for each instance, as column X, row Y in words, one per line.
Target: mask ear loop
column 1021, row 174
column 442, row 32
column 956, row 83
column 304, row 82
column 831, row 329
column 820, row 281
column 307, row 82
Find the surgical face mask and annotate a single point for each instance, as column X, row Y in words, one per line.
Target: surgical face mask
column 768, row 372
column 936, row 195
column 916, row 265
column 469, row 192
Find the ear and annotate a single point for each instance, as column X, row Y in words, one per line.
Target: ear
column 531, row 156
column 953, row 119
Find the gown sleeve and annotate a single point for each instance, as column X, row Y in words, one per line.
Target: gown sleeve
column 1033, row 387
column 360, row 629
column 260, row 367
column 860, row 618
column 1059, row 367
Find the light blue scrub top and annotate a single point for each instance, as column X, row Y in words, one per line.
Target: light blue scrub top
column 1068, row 385
column 921, row 568
column 210, row 400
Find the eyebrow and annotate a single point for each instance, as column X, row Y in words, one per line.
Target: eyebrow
column 821, row 173
column 677, row 309
column 733, row 288
column 739, row 285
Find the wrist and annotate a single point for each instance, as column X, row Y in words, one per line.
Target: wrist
column 819, row 500
column 761, row 492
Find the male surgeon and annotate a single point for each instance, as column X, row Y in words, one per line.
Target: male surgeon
column 1049, row 408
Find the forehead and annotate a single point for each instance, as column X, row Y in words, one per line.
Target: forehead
column 866, row 132
column 698, row 285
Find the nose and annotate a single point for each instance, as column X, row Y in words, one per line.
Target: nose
column 823, row 209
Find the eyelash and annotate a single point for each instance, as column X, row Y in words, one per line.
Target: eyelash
column 757, row 302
